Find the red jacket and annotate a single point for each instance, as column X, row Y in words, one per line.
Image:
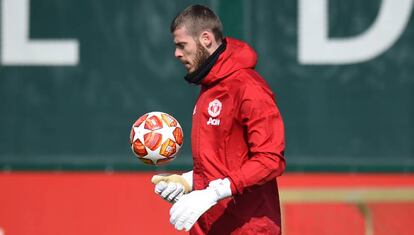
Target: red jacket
column 238, row 133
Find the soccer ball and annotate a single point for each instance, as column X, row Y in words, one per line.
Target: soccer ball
column 156, row 138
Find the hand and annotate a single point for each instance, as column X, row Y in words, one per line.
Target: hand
column 186, row 211
column 169, row 191
column 172, row 187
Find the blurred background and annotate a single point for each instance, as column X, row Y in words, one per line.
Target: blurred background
column 75, row 75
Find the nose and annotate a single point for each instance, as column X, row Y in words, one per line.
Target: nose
column 178, row 53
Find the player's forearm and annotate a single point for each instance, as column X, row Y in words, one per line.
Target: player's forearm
column 258, row 170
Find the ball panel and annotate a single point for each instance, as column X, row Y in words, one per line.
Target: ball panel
column 168, row 148
column 170, row 121
column 140, row 120
column 139, row 149
column 152, row 140
column 178, row 135
column 153, row 123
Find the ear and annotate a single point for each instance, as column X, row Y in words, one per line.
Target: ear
column 206, row 39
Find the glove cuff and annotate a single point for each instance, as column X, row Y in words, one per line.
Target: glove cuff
column 188, row 176
column 222, row 188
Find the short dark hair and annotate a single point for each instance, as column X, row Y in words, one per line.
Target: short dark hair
column 196, row 19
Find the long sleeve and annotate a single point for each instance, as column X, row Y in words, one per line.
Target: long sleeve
column 265, row 137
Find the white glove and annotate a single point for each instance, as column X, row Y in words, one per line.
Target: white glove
column 172, row 187
column 186, row 211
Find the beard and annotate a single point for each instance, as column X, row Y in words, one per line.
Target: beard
column 200, row 57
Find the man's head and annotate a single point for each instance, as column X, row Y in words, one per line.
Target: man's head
column 197, row 33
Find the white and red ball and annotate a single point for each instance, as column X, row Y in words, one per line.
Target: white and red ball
column 156, row 138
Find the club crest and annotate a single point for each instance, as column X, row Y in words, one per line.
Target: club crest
column 214, row 108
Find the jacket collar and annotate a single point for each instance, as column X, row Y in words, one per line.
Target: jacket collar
column 236, row 56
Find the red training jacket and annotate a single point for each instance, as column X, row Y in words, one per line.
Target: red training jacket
column 238, row 133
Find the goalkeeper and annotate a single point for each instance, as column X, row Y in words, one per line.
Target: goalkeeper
column 237, row 136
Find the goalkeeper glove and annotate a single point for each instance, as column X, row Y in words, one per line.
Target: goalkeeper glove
column 172, row 187
column 186, row 211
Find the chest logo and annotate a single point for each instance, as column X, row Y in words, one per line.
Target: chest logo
column 214, row 108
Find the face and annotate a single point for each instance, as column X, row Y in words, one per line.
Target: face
column 189, row 50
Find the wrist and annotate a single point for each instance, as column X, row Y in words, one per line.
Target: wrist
column 188, row 177
column 221, row 188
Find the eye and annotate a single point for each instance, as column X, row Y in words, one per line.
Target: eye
column 179, row 46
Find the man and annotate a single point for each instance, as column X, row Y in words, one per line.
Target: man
column 237, row 136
